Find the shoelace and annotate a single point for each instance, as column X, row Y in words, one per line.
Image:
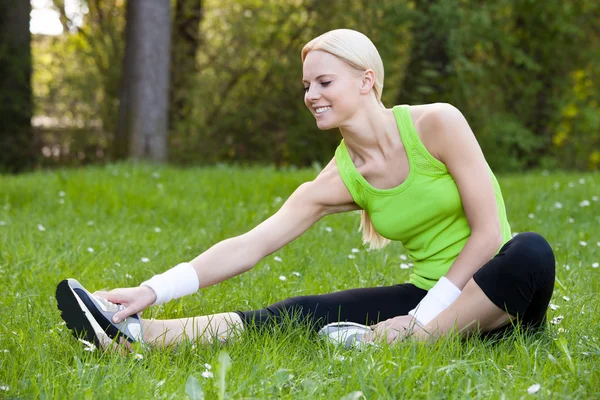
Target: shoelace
column 110, row 306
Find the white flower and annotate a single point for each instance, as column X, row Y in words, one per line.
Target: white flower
column 156, row 175
column 558, row 205
column 41, row 228
column 557, row 320
column 128, row 276
column 351, row 256
column 157, row 229
column 118, row 264
column 2, row 223
column 296, row 273
column 61, row 193
column 90, row 250
column 554, row 306
column 145, row 259
column 282, row 278
column 598, row 244
column 531, row 216
column 581, row 181
column 4, row 388
column 277, row 200
column 582, row 243
column 571, row 220
column 584, row 203
column 533, row 388
column 595, row 265
column 571, row 184
column 207, row 374
column 595, row 198
column 404, row 266
column 5, row 351
column 278, row 259
column 138, row 356
column 61, row 201
column 207, row 366
column 328, row 229
column 566, row 298
column 355, row 250
column 567, row 267
column 340, row 358
column 90, row 223
column 403, row 257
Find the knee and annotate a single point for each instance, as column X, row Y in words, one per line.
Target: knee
column 535, row 247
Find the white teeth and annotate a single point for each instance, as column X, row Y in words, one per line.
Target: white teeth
column 322, row 109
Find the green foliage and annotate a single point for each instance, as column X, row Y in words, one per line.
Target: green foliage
column 104, row 221
column 523, row 72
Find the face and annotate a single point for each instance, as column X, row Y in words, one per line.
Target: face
column 332, row 88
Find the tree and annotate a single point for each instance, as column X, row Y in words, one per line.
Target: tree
column 142, row 128
column 186, row 42
column 16, row 135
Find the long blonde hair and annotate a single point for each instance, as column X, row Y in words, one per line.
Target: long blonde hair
column 359, row 52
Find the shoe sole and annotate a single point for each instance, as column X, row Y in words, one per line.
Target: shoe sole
column 78, row 317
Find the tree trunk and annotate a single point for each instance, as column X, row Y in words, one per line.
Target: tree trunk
column 186, row 41
column 16, row 135
column 144, row 103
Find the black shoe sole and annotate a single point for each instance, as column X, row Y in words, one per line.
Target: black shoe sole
column 74, row 315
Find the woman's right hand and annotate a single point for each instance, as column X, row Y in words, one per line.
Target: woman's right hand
column 135, row 299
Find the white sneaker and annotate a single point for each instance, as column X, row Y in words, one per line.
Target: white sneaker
column 348, row 334
column 90, row 317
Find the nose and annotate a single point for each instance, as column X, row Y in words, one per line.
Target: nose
column 312, row 94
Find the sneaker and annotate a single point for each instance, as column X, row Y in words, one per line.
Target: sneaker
column 348, row 334
column 90, row 317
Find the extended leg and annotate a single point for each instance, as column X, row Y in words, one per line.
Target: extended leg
column 203, row 329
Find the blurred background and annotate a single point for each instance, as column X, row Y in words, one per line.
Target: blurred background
column 196, row 82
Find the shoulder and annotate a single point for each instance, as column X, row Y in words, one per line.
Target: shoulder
column 441, row 127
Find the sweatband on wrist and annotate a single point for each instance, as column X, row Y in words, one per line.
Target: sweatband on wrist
column 174, row 283
column 439, row 297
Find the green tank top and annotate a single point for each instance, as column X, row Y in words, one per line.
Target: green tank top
column 425, row 212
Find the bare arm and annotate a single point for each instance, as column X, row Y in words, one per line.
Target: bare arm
column 458, row 149
column 310, row 202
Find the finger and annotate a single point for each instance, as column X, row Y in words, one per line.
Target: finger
column 110, row 296
column 126, row 312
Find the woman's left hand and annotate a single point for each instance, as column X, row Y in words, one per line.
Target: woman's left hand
column 393, row 329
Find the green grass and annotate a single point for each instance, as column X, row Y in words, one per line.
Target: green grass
column 114, row 210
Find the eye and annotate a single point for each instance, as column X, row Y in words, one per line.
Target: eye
column 306, row 88
column 326, row 83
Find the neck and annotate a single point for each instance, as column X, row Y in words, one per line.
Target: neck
column 370, row 131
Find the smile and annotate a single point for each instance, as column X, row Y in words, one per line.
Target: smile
column 321, row 110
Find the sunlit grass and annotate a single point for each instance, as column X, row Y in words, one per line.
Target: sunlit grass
column 118, row 225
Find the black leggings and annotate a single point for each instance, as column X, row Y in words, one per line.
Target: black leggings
column 519, row 280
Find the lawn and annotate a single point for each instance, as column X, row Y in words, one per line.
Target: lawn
column 117, row 225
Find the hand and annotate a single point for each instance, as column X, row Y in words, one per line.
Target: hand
column 134, row 299
column 393, row 329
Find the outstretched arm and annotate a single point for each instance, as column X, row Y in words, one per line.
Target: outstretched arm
column 309, row 203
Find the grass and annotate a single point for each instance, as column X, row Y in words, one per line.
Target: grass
column 96, row 224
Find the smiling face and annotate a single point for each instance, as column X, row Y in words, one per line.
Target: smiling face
column 332, row 88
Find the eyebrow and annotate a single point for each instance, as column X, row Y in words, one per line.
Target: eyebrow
column 320, row 76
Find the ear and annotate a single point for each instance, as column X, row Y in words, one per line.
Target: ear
column 368, row 80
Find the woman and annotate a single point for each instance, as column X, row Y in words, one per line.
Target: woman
column 418, row 175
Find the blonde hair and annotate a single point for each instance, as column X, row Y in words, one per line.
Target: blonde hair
column 359, row 52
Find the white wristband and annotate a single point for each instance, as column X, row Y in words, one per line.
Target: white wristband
column 435, row 301
column 174, row 283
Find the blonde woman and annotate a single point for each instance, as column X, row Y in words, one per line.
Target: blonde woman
column 418, row 175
